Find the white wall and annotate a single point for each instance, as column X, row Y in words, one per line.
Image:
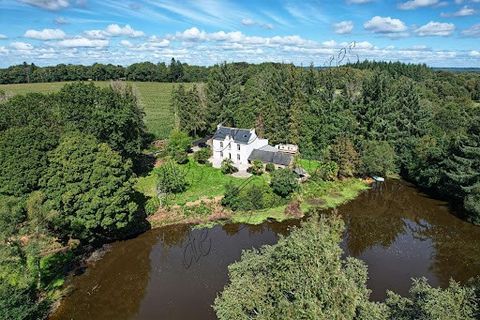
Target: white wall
column 230, row 149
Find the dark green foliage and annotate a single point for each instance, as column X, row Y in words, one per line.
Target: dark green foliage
column 455, row 302
column 284, row 182
column 23, row 155
column 326, row 171
column 256, row 167
column 202, row 155
column 90, row 187
column 171, row 178
column 12, row 214
column 178, row 145
column 152, row 205
column 344, row 154
column 269, row 167
column 377, row 158
column 189, row 109
column 301, row 277
column 20, row 303
column 250, row 197
column 228, row 167
column 53, row 268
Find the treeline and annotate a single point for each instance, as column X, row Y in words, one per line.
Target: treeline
column 66, row 185
column 305, row 276
column 143, row 71
column 429, row 125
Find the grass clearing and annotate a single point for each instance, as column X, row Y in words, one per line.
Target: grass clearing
column 204, row 182
column 309, row 165
column 154, row 97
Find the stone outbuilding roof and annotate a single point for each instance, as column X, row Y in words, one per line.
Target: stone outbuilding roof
column 267, row 155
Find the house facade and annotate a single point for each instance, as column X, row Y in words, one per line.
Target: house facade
column 235, row 144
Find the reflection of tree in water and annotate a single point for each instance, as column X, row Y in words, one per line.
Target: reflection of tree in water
column 114, row 287
column 374, row 218
column 172, row 236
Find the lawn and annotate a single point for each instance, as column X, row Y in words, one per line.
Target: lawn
column 154, row 97
column 205, row 182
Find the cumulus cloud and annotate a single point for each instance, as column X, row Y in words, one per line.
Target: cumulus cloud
column 473, row 31
column 435, row 29
column 82, row 42
column 386, row 26
column 115, row 30
column 4, row 50
column 343, row 27
column 474, row 53
column 414, row 4
column 462, row 12
column 48, row 4
column 23, row 46
column 45, row 34
column 126, row 43
column 2, row 36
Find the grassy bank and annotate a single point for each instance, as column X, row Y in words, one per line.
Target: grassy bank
column 199, row 204
column 154, row 97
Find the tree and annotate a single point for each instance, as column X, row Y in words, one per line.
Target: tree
column 171, row 178
column 284, row 182
column 377, row 158
column 327, row 171
column 178, row 145
column 23, row 155
column 301, row 277
column 90, row 186
column 256, row 167
column 344, row 154
column 202, row 155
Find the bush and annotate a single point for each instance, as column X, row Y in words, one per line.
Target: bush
column 152, row 205
column 202, row 209
column 171, row 178
column 269, row 167
column 327, row 171
column 256, row 168
column 378, row 158
column 203, row 155
column 284, row 182
column 252, row 197
column 53, row 269
column 228, row 167
column 178, row 145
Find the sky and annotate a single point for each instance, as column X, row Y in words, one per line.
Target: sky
column 440, row 33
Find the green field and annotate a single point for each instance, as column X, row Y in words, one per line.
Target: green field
column 154, row 97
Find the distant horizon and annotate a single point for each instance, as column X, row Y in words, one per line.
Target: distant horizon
column 439, row 33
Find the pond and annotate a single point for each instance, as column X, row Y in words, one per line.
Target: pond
column 176, row 272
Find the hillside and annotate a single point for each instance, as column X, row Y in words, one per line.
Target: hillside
column 155, row 97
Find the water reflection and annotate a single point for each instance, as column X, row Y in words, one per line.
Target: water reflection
column 399, row 232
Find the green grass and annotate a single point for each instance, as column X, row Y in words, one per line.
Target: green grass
column 154, row 97
column 309, row 165
column 204, row 182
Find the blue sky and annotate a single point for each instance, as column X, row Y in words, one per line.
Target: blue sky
column 205, row 32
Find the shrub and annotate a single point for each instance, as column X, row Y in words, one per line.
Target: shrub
column 230, row 198
column 269, row 167
column 256, row 168
column 202, row 209
column 178, row 145
column 171, row 178
column 228, row 167
column 284, row 182
column 152, row 205
column 252, row 197
column 202, row 155
column 327, row 171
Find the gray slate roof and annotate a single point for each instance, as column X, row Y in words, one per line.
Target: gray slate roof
column 239, row 135
column 275, row 157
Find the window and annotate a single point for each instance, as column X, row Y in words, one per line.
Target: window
column 221, row 154
column 221, row 144
column 238, row 146
column 230, row 156
column 238, row 156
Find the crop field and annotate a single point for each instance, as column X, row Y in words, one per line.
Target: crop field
column 154, row 97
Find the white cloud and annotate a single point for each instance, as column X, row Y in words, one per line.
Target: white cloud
column 45, row 34
column 79, row 42
column 473, row 31
column 343, row 27
column 4, row 50
column 359, row 1
column 95, row 34
column 385, row 25
column 48, row 4
column 126, row 43
column 462, row 12
column 115, row 30
column 435, row 29
column 414, row 4
column 474, row 53
column 248, row 22
column 23, row 46
column 2, row 36
column 61, row 20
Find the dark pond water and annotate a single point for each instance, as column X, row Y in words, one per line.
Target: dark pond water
column 176, row 272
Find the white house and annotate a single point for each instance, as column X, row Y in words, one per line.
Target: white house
column 235, row 144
